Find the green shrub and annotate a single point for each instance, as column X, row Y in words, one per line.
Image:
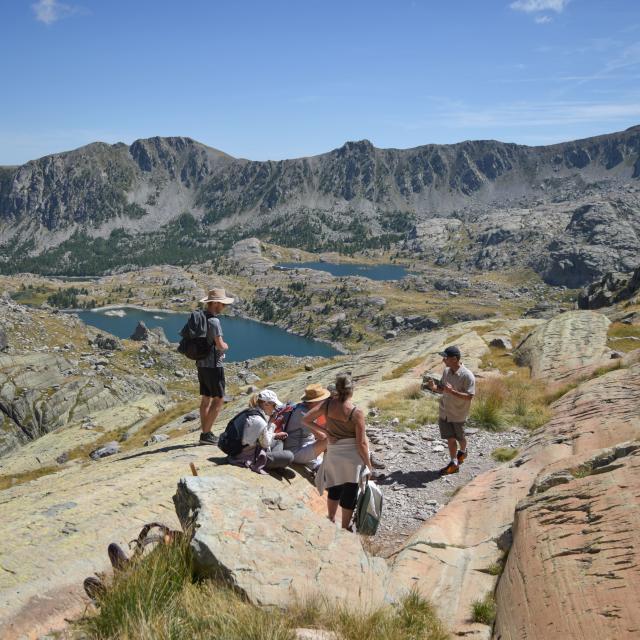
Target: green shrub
column 504, row 454
column 484, row 611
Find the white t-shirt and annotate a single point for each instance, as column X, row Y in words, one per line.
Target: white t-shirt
column 257, row 430
column 452, row 408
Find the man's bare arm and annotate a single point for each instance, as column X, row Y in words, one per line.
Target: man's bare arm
column 458, row 394
column 221, row 345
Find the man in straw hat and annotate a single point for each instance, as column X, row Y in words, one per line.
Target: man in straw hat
column 211, row 368
column 300, row 440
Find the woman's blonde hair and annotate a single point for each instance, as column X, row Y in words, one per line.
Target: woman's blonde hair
column 253, row 400
column 344, row 386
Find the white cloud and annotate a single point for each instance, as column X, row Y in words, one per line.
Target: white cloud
column 50, row 11
column 527, row 116
column 532, row 6
column 543, row 19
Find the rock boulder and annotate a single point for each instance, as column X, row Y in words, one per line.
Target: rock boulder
column 574, row 568
column 274, row 547
column 140, row 333
column 566, row 346
column 614, row 287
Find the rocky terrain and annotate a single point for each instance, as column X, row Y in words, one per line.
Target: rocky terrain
column 614, row 287
column 97, row 434
column 350, row 312
column 567, row 211
column 439, row 535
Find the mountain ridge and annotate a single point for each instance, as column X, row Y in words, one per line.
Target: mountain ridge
column 351, row 198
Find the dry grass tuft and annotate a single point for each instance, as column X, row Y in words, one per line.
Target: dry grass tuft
column 514, row 400
column 400, row 370
column 412, row 407
column 623, row 337
column 158, row 599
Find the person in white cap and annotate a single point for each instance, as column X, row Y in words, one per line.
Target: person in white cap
column 261, row 446
column 211, row 368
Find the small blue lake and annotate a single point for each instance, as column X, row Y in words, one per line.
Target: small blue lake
column 246, row 338
column 371, row 271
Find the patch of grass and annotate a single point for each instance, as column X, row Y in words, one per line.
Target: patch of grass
column 157, row 421
column 623, row 337
column 279, row 369
column 412, row 618
column 400, row 370
column 556, row 393
column 582, row 471
column 411, row 406
column 494, row 569
column 487, row 406
column 503, row 360
column 504, row 454
column 158, row 598
column 484, row 611
column 11, row 480
column 513, row 400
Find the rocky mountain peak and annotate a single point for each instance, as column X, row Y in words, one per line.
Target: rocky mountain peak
column 489, row 184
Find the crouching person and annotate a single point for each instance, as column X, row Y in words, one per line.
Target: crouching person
column 249, row 439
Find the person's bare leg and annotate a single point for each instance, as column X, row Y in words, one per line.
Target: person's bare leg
column 205, row 402
column 453, row 447
column 332, row 508
column 319, row 447
column 212, row 412
column 463, row 444
column 347, row 514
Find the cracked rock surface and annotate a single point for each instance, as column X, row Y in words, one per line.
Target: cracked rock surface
column 574, row 568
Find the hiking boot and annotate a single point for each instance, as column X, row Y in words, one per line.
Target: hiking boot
column 208, row 438
column 462, row 456
column 117, row 556
column 94, row 588
column 452, row 467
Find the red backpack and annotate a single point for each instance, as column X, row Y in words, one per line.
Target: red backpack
column 282, row 416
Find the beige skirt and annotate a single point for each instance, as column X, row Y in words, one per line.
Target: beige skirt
column 342, row 463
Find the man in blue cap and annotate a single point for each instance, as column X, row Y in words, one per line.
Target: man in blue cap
column 457, row 387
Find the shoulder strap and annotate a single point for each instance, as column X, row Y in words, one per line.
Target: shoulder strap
column 326, row 407
column 213, row 344
column 351, row 414
column 289, row 414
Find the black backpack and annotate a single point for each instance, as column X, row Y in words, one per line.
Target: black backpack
column 230, row 440
column 195, row 344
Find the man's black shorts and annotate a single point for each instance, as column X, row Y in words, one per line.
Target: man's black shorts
column 211, row 381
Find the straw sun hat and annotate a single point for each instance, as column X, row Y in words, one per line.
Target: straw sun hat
column 314, row 393
column 217, row 295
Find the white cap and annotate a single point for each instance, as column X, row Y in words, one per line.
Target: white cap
column 267, row 395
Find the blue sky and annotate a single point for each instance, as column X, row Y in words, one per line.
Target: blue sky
column 284, row 78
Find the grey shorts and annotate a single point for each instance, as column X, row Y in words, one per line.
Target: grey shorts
column 306, row 455
column 451, row 429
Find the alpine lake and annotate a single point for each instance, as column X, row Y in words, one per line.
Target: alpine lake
column 246, row 338
column 371, row 271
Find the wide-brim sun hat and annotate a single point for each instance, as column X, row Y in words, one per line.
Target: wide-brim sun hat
column 218, row 295
column 314, row 393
